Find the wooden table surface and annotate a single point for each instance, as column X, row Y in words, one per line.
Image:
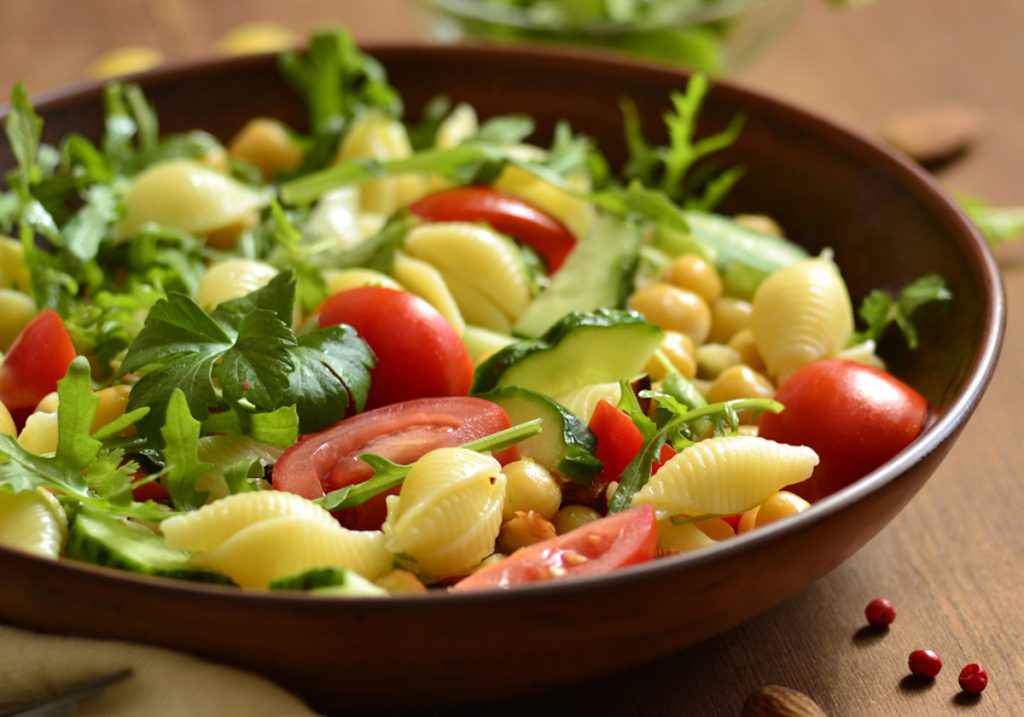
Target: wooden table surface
column 952, row 562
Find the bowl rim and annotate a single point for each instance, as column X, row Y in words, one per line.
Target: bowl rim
column 922, row 185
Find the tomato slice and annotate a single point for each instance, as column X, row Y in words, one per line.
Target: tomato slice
column 666, row 454
column 38, row 359
column 626, row 538
column 401, row 432
column 507, row 214
column 618, row 439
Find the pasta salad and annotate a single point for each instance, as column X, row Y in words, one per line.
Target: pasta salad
column 382, row 356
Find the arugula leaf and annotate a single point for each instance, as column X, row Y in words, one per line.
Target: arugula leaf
column 666, row 167
column 423, row 134
column 506, row 129
column 24, row 129
column 181, row 450
column 631, row 407
column 996, row 224
column 879, row 309
column 83, row 470
column 244, row 476
column 388, row 475
column 82, row 235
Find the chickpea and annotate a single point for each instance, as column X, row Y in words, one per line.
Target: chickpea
column 125, row 61
column 674, row 309
column 693, row 273
column 571, row 517
column 232, row 279
column 728, row 317
column 675, row 352
column 716, row 529
column 256, row 37
column 780, row 505
column 400, row 582
column 339, row 280
column 530, row 487
column 7, row 427
column 761, row 223
column 713, row 359
column 14, row 273
column 524, row 530
column 16, row 310
column 113, row 401
column 39, row 435
column 743, row 342
column 266, row 144
column 740, row 382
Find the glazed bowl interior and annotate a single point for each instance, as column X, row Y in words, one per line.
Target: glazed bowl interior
column 887, row 224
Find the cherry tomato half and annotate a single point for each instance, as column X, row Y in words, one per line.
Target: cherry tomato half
column 419, row 355
column 507, row 214
column 596, row 548
column 402, row 432
column 618, row 440
column 38, row 359
column 855, row 417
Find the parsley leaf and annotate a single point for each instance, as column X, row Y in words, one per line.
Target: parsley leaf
column 181, row 451
column 996, row 224
column 879, row 309
column 332, row 373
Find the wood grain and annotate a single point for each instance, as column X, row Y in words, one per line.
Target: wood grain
column 952, row 561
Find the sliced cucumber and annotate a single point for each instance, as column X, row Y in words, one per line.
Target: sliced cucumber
column 744, row 257
column 565, row 446
column 117, row 543
column 598, row 274
column 483, row 343
column 599, row 347
column 329, row 581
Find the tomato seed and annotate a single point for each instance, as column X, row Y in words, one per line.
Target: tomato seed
column 924, row 663
column 973, row 679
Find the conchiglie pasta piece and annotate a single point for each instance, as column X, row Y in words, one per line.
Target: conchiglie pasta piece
column 16, row 310
column 232, row 279
column 281, row 547
column 448, row 513
column 476, row 308
column 33, row 521
column 39, row 434
column 336, row 217
column 864, row 353
column 425, row 281
column 376, row 136
column 476, row 258
column 187, row 195
column 7, row 426
column 213, row 524
column 725, row 476
column 339, row 280
column 801, row 314
column 459, row 126
column 577, row 214
column 583, row 401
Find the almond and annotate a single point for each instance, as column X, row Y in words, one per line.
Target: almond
column 778, row 701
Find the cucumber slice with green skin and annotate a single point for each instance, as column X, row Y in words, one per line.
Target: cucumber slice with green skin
column 329, row 581
column 581, row 349
column 598, row 273
column 744, row 257
column 116, row 543
column 565, row 446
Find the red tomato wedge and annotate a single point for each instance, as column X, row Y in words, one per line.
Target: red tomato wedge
column 505, row 213
column 38, row 359
column 618, row 440
column 418, row 352
column 855, row 417
column 402, row 432
column 600, row 547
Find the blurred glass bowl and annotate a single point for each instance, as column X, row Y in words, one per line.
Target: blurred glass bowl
column 716, row 36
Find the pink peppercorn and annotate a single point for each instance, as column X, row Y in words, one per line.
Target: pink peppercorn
column 925, row 663
column 880, row 613
column 973, row 679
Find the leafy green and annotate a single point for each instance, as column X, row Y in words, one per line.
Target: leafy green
column 244, row 476
column 997, row 225
column 638, row 472
column 24, row 129
column 666, row 167
column 880, row 309
column 245, row 356
column 388, row 475
column 631, row 407
column 83, row 470
column 92, row 223
column 181, row 451
column 423, row 134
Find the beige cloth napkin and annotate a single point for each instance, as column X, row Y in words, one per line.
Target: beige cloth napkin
column 164, row 684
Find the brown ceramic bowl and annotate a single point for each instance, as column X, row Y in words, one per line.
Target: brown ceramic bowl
column 888, row 223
